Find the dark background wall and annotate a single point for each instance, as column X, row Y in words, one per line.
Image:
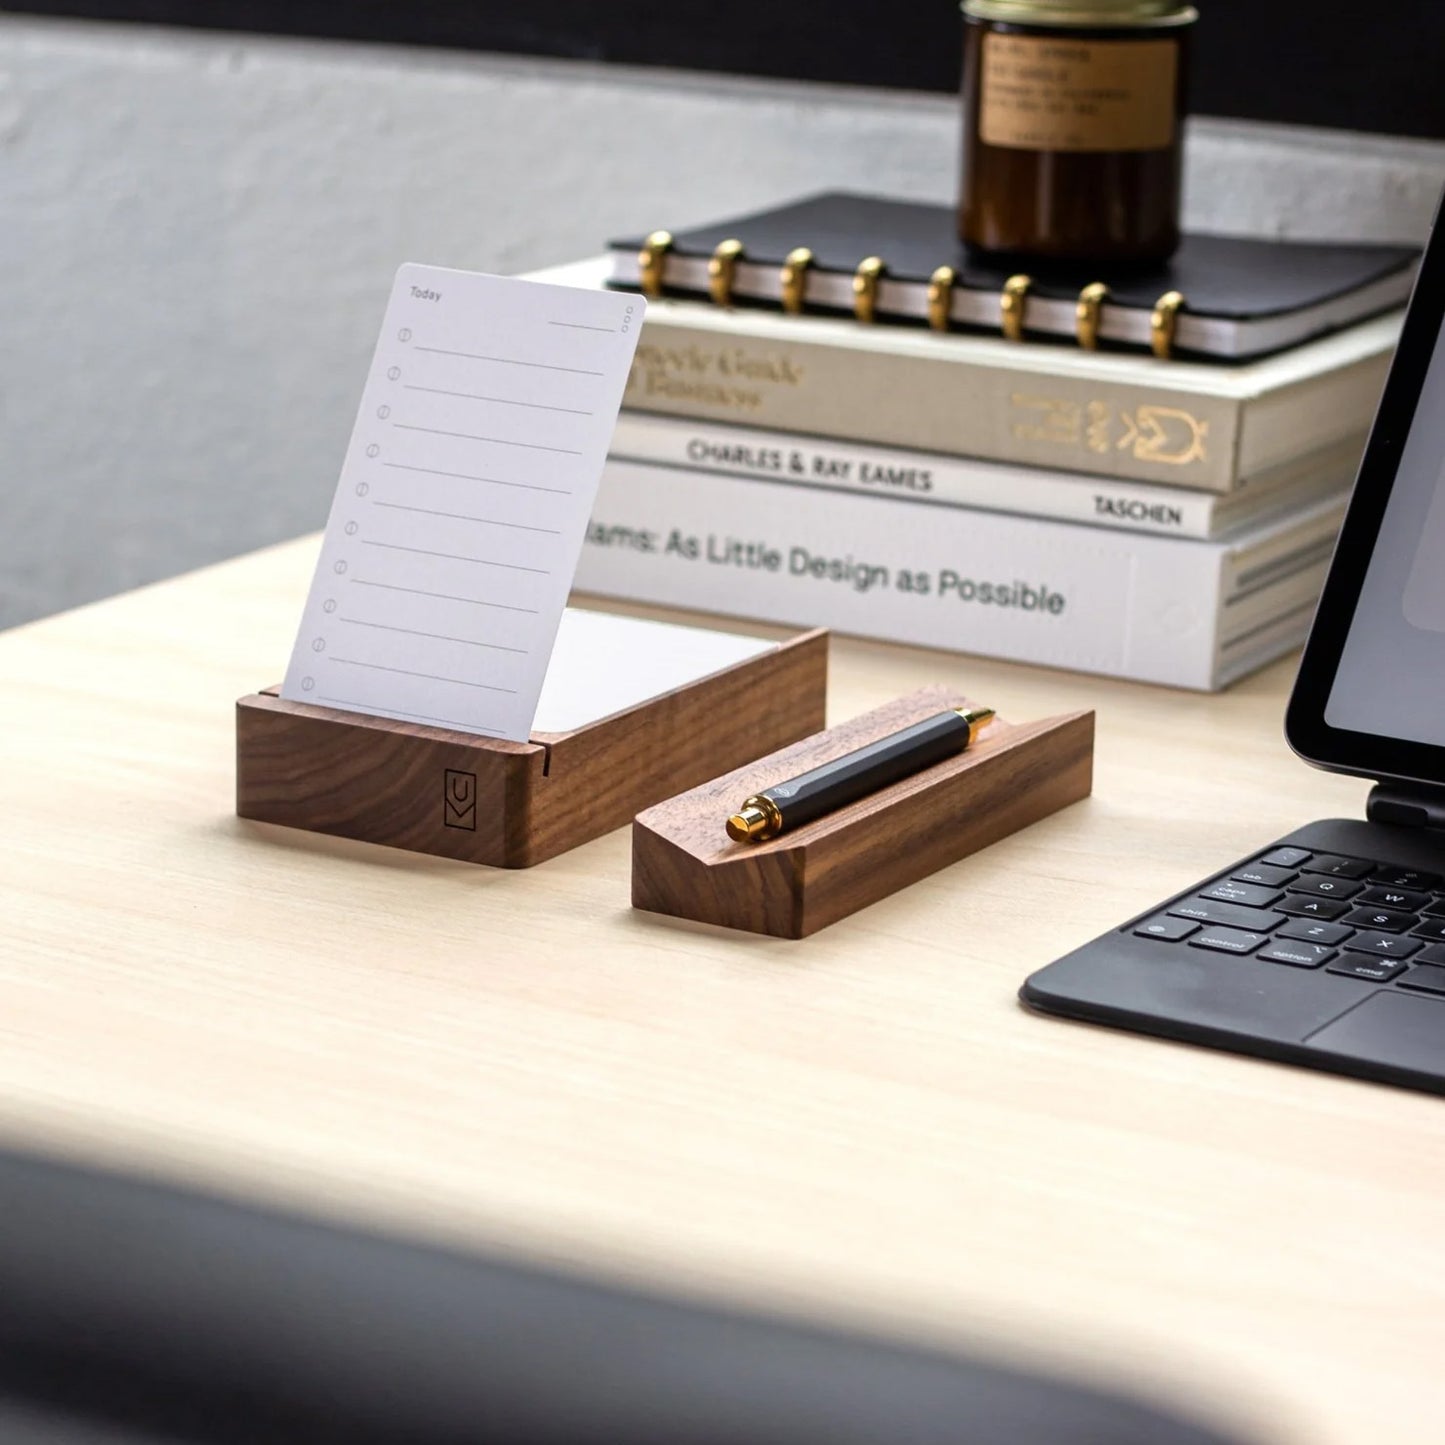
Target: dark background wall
column 1365, row 67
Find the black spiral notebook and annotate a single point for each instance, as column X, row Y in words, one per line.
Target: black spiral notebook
column 1220, row 297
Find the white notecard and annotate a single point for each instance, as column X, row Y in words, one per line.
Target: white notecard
column 463, row 500
column 604, row 663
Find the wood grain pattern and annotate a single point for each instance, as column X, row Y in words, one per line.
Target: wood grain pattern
column 382, row 781
column 513, row 805
column 684, row 864
column 864, row 1127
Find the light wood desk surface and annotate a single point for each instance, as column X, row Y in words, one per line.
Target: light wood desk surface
column 864, row 1126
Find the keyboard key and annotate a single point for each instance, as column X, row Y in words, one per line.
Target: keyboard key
column 1435, row 908
column 1392, row 877
column 1330, row 934
column 1287, row 857
column 1325, row 887
column 1387, row 945
column 1297, row 955
column 1385, row 919
column 1232, row 915
column 1167, row 930
column 1338, row 867
column 1253, row 895
column 1305, row 907
column 1432, row 928
column 1264, row 874
column 1405, row 899
column 1362, row 965
column 1431, row 953
column 1427, row 980
column 1227, row 940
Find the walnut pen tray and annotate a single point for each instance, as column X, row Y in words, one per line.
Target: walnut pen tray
column 684, row 864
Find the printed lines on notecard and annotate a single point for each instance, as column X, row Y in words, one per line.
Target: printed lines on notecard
column 467, row 436
column 466, row 477
column 510, row 361
column 466, row 517
column 443, row 596
column 412, row 672
column 456, row 557
column 435, row 636
column 498, row 400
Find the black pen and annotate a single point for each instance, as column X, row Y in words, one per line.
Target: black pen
column 856, row 774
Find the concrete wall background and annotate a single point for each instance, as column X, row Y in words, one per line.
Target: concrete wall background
column 199, row 230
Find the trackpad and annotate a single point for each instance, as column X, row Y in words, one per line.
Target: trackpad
column 1389, row 1028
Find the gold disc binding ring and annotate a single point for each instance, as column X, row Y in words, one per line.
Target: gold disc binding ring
column 1164, row 322
column 865, row 287
column 650, row 261
column 722, row 267
column 940, row 298
column 1011, row 305
column 794, row 279
column 1086, row 314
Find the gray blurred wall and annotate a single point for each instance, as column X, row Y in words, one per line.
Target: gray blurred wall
column 199, row 232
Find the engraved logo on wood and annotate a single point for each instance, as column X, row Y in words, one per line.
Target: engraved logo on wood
column 460, row 800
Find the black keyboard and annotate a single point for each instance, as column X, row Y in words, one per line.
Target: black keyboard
column 1326, row 949
column 1293, row 908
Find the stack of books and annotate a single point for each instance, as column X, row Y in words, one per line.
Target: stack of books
column 1142, row 480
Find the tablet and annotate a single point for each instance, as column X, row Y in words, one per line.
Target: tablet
column 1370, row 694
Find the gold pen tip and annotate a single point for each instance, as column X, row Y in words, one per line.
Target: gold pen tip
column 977, row 719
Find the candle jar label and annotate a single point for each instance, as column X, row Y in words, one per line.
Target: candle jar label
column 1057, row 93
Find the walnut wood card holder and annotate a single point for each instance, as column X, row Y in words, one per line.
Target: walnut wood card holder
column 684, row 864
column 435, row 790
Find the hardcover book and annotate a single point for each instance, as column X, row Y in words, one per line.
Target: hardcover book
column 795, row 459
column 1240, row 296
column 1157, row 609
column 1178, row 423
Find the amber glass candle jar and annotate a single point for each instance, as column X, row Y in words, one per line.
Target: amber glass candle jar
column 1073, row 127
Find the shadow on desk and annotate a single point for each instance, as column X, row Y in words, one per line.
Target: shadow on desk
column 134, row 1313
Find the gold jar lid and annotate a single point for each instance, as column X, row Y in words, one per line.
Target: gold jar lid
column 1102, row 13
